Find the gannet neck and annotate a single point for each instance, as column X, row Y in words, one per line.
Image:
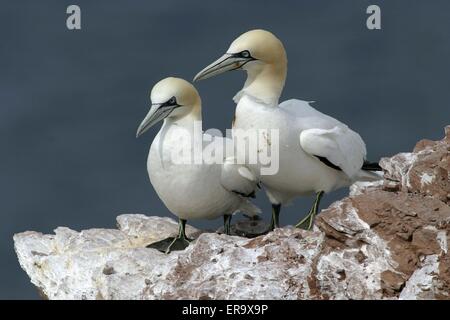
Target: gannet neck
column 265, row 82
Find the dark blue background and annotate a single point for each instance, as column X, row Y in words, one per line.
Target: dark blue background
column 70, row 101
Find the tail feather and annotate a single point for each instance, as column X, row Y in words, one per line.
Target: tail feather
column 365, row 175
column 371, row 166
column 370, row 171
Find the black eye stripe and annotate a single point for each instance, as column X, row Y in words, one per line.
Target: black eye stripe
column 245, row 54
column 172, row 102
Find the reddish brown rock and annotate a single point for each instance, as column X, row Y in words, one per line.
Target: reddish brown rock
column 392, row 282
column 409, row 213
column 426, row 170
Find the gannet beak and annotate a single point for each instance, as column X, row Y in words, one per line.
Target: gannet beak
column 227, row 62
column 157, row 113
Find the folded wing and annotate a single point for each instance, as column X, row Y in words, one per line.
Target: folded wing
column 238, row 178
column 339, row 145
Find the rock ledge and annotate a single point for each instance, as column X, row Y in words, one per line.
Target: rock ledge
column 386, row 240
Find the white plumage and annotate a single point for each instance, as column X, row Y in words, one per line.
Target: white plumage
column 196, row 191
column 304, row 134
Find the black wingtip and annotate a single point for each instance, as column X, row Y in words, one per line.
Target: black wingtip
column 371, row 166
column 328, row 163
column 250, row 195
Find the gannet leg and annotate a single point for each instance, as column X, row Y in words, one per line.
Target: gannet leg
column 179, row 242
column 227, row 224
column 307, row 222
column 275, row 222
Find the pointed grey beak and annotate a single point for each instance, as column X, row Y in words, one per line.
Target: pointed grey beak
column 157, row 113
column 227, row 62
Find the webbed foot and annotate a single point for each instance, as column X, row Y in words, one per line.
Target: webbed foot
column 178, row 243
column 170, row 244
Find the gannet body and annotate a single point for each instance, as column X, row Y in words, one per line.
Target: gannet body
column 194, row 191
column 190, row 190
column 317, row 153
column 304, row 134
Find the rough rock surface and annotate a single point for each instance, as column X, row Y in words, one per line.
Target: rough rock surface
column 387, row 240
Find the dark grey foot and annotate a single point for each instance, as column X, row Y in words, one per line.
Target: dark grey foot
column 170, row 244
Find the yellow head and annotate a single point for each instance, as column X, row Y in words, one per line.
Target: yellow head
column 252, row 51
column 171, row 98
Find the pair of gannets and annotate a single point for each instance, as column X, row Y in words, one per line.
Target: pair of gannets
column 317, row 153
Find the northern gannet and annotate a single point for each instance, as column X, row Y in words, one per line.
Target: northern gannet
column 317, row 153
column 190, row 190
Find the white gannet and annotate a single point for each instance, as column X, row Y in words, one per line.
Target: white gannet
column 317, row 153
column 190, row 190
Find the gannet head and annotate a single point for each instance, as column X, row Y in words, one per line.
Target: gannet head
column 251, row 51
column 171, row 98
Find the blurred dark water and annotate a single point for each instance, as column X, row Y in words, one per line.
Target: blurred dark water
column 70, row 101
